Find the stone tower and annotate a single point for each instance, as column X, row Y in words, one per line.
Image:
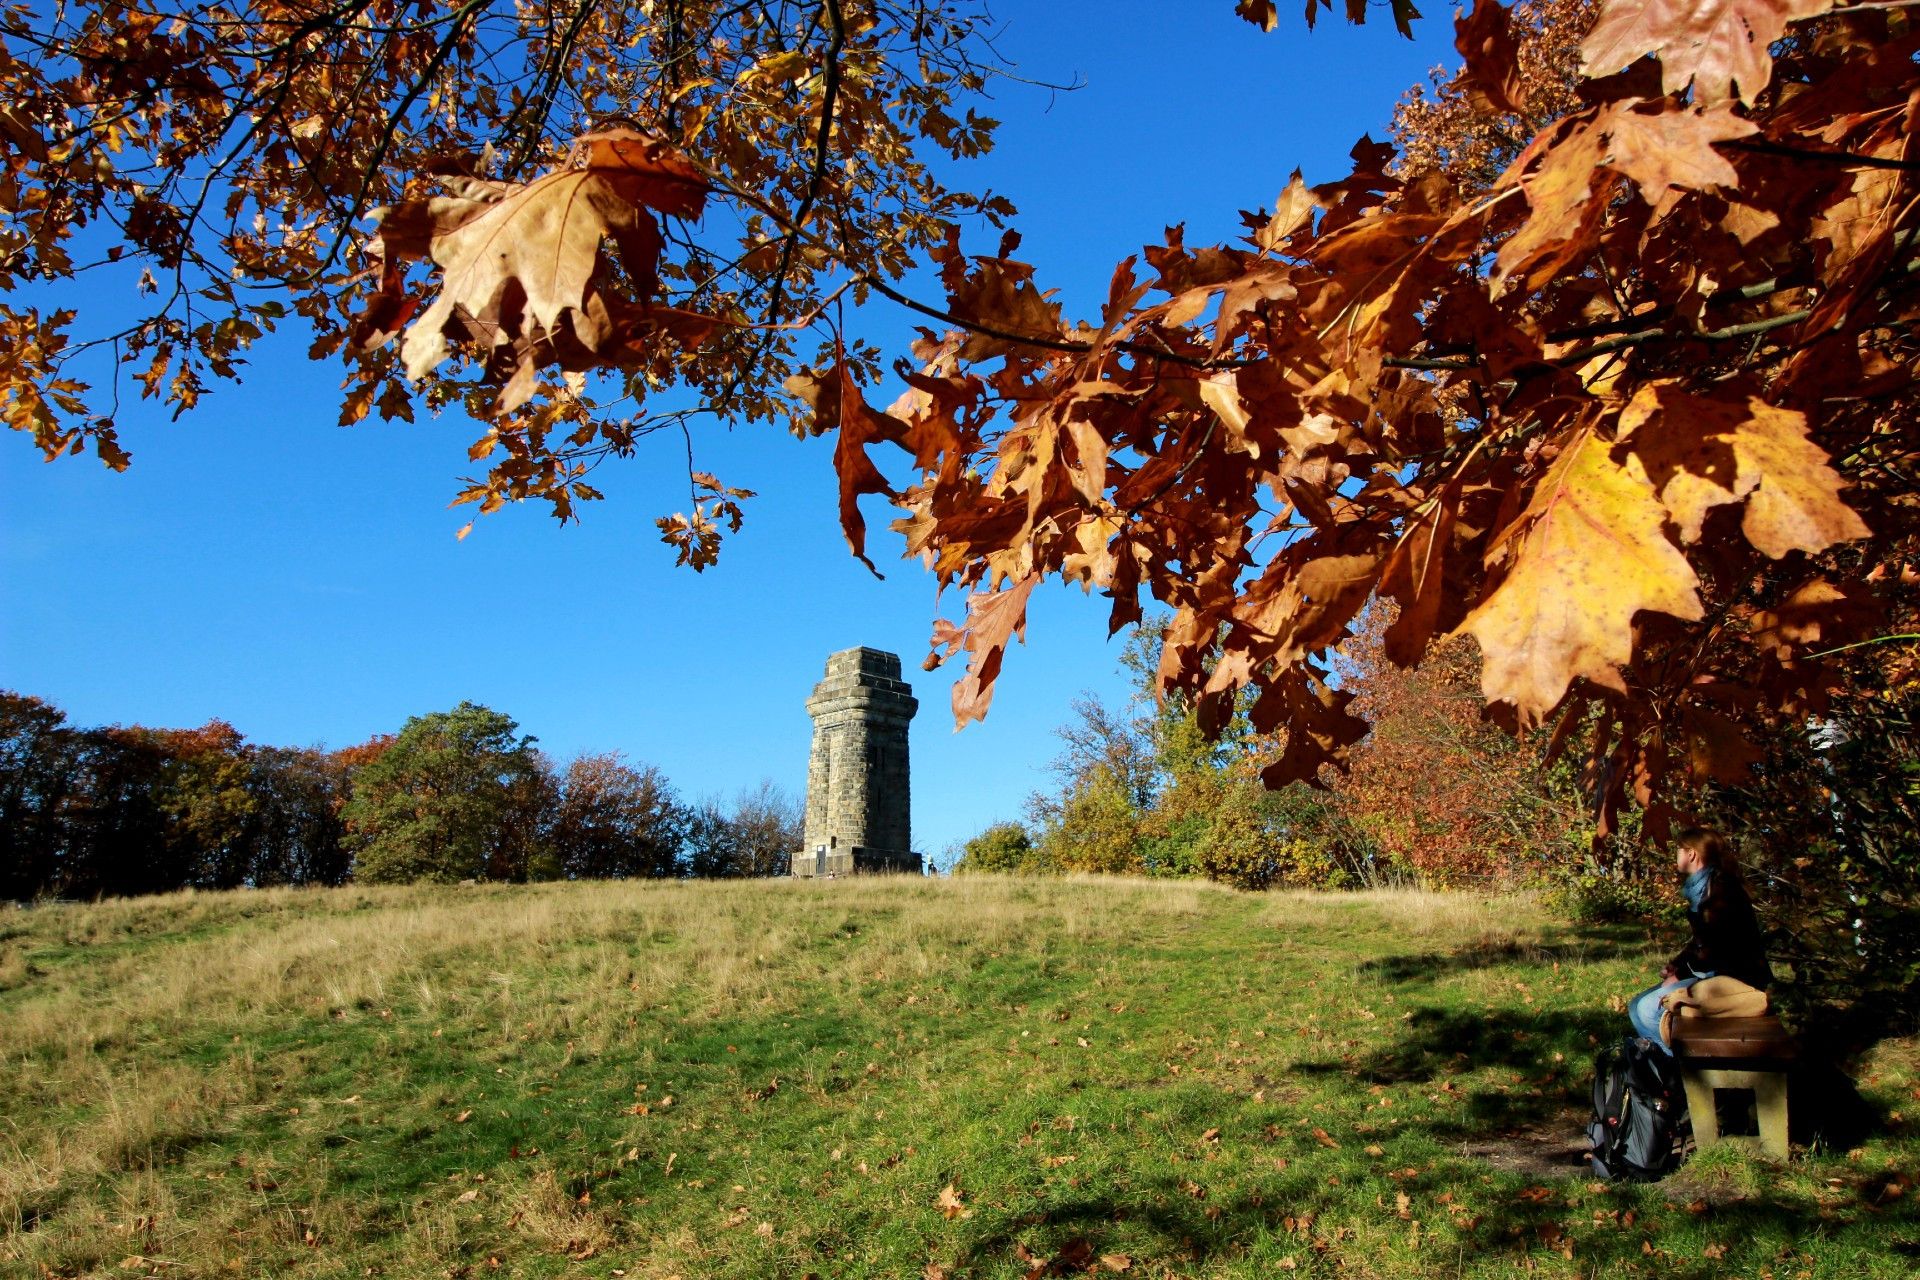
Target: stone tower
column 858, row 801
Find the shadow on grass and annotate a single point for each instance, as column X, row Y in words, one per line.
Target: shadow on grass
column 1161, row 1220
column 1587, row 945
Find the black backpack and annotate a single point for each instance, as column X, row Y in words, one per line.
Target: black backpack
column 1639, row 1107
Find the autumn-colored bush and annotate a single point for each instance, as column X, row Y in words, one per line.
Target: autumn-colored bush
column 1094, row 828
column 1440, row 789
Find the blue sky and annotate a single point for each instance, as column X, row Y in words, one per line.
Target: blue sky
column 302, row 580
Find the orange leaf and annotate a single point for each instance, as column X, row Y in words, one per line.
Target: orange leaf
column 1714, row 44
column 1589, row 553
column 1700, row 452
column 993, row 618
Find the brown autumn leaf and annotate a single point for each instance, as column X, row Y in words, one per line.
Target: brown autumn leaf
column 1319, row 727
column 951, row 1204
column 1262, row 13
column 1666, row 149
column 649, row 171
column 524, row 263
column 1588, row 554
column 1715, row 45
column 1413, row 574
column 1486, row 41
column 1717, row 750
column 1700, row 452
column 993, row 619
column 1293, row 211
column 1815, row 615
column 1567, row 193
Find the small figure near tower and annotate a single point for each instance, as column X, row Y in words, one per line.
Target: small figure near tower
column 858, row 784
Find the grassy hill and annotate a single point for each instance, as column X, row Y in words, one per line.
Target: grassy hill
column 901, row 1078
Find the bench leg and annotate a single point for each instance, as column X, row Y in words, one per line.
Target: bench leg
column 1769, row 1097
column 1706, row 1121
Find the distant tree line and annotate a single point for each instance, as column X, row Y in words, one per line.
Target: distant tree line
column 455, row 795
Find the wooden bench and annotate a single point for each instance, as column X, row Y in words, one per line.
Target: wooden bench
column 1735, row 1053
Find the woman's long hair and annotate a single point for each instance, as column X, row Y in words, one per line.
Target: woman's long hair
column 1716, row 853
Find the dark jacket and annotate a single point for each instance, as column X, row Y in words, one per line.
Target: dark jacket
column 1726, row 935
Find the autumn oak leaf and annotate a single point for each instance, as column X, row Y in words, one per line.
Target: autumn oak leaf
column 1567, row 193
column 1263, row 13
column 994, row 618
column 1319, row 728
column 1589, row 553
column 1700, row 452
column 1719, row 46
column 1666, row 149
column 951, row 1205
column 522, row 263
column 1485, row 39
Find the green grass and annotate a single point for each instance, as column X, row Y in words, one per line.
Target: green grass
column 781, row 1079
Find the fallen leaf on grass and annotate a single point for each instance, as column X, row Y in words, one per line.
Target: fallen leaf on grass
column 463, row 1117
column 1320, row 1136
column 467, row 1197
column 1714, row 1251
column 1115, row 1261
column 950, row 1204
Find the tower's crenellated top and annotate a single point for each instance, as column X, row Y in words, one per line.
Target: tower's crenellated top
column 864, row 661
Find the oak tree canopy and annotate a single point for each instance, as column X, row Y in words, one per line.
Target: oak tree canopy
column 1622, row 386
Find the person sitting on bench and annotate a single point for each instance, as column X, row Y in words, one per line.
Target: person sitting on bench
column 1726, row 938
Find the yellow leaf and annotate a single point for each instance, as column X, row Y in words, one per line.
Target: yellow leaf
column 1699, row 453
column 1589, row 553
column 780, row 68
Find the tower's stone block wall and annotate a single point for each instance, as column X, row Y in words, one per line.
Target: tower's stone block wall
column 858, row 784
